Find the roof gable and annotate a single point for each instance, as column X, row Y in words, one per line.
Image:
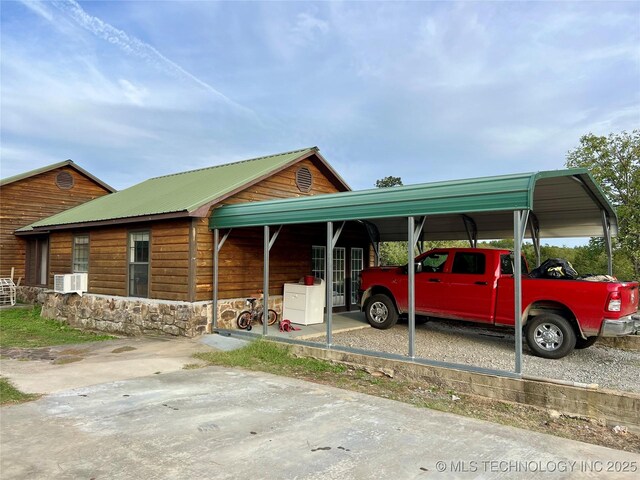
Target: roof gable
column 182, row 194
column 48, row 168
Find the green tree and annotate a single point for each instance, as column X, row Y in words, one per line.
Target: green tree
column 614, row 161
column 389, row 181
column 392, row 253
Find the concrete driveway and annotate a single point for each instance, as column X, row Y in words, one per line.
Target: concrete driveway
column 54, row 369
column 232, row 424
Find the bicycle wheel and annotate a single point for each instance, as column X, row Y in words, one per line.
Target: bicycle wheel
column 273, row 317
column 244, row 320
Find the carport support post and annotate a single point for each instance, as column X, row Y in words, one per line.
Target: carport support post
column 265, row 283
column 519, row 226
column 328, row 275
column 606, row 227
column 411, row 274
column 214, row 309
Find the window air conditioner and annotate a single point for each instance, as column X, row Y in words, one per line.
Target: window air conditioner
column 70, row 283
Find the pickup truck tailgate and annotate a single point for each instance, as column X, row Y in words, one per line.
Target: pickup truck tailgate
column 629, row 293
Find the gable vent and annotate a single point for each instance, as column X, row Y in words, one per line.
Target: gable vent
column 304, row 179
column 64, row 180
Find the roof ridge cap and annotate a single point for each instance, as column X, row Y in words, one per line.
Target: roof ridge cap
column 233, row 163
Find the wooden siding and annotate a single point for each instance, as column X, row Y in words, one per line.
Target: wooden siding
column 31, row 199
column 108, row 261
column 169, row 259
column 60, row 254
column 240, row 271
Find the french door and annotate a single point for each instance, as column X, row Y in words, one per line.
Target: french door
column 345, row 289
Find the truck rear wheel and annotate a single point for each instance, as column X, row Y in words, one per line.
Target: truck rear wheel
column 381, row 312
column 550, row 336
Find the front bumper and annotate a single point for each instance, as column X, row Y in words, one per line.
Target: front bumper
column 623, row 326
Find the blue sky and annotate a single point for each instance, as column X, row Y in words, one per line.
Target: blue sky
column 423, row 90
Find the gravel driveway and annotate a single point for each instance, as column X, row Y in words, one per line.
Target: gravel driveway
column 489, row 348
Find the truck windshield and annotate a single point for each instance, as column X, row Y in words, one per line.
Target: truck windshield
column 506, row 265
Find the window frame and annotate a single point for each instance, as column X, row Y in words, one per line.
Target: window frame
column 130, row 287
column 318, row 260
column 74, row 261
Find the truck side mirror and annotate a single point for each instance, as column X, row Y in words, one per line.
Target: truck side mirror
column 418, row 267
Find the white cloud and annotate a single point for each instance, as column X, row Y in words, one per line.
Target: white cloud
column 135, row 94
column 129, row 44
column 38, row 8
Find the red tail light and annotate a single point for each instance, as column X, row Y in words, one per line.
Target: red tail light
column 614, row 302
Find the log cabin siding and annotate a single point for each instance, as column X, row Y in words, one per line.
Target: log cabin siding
column 31, row 199
column 60, row 254
column 169, row 260
column 108, row 261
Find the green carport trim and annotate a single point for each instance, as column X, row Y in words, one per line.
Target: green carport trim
column 487, row 194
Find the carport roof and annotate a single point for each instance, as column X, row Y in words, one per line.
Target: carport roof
column 566, row 203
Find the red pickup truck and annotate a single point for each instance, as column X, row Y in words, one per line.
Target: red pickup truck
column 477, row 285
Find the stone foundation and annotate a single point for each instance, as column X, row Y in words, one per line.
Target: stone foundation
column 229, row 309
column 31, row 295
column 131, row 316
column 137, row 316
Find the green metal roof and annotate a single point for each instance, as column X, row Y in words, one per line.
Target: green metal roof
column 48, row 168
column 180, row 193
column 566, row 202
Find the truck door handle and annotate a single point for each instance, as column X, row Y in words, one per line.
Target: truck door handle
column 435, row 280
column 481, row 283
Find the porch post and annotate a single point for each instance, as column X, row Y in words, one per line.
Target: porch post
column 265, row 283
column 519, row 225
column 411, row 274
column 216, row 248
column 328, row 275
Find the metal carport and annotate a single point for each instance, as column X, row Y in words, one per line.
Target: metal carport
column 552, row 204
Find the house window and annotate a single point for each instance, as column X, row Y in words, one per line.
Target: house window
column 37, row 261
column 81, row 254
column 139, row 264
column 357, row 263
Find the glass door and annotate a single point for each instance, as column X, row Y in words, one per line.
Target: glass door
column 318, row 255
column 339, row 290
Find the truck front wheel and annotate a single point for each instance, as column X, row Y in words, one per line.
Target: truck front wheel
column 550, row 336
column 381, row 312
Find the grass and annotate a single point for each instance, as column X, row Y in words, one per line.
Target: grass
column 11, row 395
column 269, row 357
column 277, row 359
column 21, row 327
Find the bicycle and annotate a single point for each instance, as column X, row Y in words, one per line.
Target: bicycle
column 247, row 317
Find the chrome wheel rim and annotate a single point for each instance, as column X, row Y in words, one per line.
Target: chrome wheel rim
column 378, row 312
column 548, row 336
